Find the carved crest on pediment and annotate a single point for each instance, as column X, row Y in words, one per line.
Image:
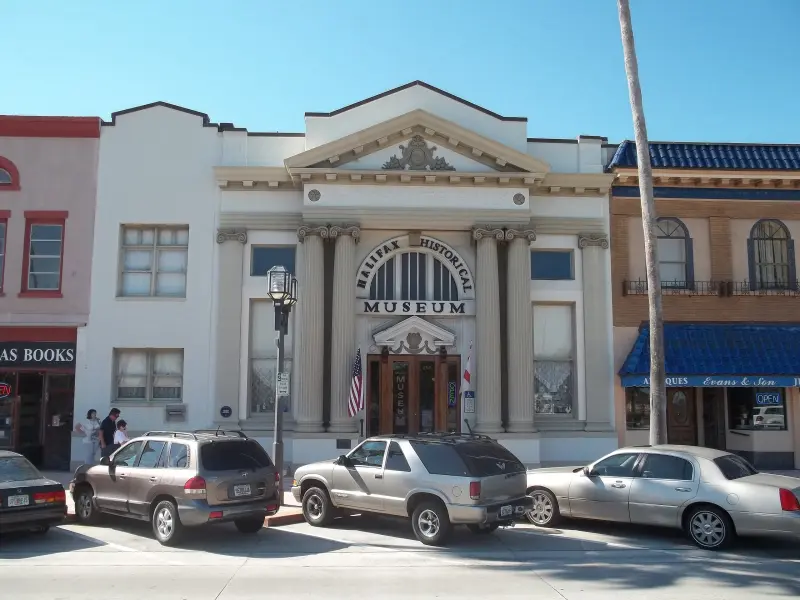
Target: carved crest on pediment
column 417, row 156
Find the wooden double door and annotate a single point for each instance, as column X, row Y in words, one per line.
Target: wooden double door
column 412, row 394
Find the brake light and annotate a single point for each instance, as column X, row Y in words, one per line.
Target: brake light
column 49, row 497
column 277, row 477
column 474, row 490
column 272, row 507
column 789, row 501
column 217, row 514
column 196, row 486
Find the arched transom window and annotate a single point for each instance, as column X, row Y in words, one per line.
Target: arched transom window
column 675, row 260
column 413, row 276
column 5, row 177
column 771, row 257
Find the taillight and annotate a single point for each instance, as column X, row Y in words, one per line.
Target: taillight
column 788, row 500
column 217, row 514
column 49, row 497
column 475, row 490
column 196, row 486
column 277, row 477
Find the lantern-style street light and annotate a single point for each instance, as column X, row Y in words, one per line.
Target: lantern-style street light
column 282, row 290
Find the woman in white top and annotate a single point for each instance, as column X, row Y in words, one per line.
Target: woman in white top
column 121, row 434
column 90, row 430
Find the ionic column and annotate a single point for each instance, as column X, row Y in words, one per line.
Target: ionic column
column 309, row 342
column 520, row 331
column 487, row 332
column 230, row 271
column 598, row 349
column 343, row 330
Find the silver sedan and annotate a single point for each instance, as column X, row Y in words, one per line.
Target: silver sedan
column 712, row 495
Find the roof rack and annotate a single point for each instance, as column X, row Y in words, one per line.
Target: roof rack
column 454, row 434
column 175, row 434
column 222, row 432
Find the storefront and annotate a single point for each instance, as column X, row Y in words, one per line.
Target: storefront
column 37, row 387
column 729, row 386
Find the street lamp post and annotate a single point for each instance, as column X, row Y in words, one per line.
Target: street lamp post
column 282, row 290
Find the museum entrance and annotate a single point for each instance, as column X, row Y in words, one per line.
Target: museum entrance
column 412, row 394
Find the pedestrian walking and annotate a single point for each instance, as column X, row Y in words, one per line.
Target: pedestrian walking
column 90, row 430
column 108, row 429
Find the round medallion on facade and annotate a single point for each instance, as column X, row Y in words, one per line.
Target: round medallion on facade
column 314, row 195
column 519, row 199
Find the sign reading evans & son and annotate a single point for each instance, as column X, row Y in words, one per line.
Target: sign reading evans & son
column 37, row 354
column 716, row 381
column 438, row 248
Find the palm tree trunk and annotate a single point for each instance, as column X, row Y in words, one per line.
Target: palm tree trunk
column 658, row 404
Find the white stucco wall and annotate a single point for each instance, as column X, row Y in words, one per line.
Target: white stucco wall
column 155, row 168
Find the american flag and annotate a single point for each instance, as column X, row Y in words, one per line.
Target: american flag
column 466, row 383
column 356, row 402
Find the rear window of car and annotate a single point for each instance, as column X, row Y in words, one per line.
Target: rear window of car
column 469, row 459
column 17, row 468
column 234, row 454
column 734, row 467
column 440, row 459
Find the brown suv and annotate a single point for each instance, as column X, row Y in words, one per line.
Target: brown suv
column 177, row 479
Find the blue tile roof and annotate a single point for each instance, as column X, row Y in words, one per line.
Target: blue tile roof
column 677, row 155
column 720, row 349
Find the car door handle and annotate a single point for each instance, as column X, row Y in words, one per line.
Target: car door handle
column 154, row 479
column 618, row 484
column 121, row 475
column 683, row 489
column 378, row 475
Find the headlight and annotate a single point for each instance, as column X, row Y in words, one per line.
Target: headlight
column 294, row 483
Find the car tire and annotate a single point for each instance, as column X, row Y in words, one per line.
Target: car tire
column 167, row 526
column 86, row 512
column 317, row 507
column 709, row 528
column 431, row 523
column 545, row 511
column 483, row 529
column 249, row 525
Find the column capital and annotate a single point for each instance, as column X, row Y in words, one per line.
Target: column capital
column 305, row 230
column 224, row 235
column 478, row 233
column 527, row 234
column 351, row 230
column 593, row 239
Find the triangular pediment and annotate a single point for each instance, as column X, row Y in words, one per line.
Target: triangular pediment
column 414, row 335
column 427, row 131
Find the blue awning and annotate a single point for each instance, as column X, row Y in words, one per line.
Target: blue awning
column 719, row 355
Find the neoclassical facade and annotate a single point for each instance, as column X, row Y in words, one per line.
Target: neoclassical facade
column 426, row 232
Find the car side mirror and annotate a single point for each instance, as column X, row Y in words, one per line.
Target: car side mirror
column 588, row 472
column 105, row 461
column 344, row 461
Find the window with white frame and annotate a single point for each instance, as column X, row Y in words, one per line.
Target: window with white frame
column 264, row 357
column 154, row 261
column 554, row 358
column 44, row 260
column 149, row 375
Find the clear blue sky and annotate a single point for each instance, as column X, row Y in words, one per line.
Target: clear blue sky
column 712, row 70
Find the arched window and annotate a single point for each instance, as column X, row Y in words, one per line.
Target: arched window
column 770, row 253
column 9, row 176
column 675, row 255
column 413, row 276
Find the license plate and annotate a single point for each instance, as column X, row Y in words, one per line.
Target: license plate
column 505, row 511
column 241, row 490
column 19, row 500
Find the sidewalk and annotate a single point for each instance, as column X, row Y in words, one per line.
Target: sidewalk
column 289, row 514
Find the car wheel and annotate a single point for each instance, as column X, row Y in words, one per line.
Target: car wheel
column 431, row 523
column 317, row 509
column 167, row 525
column 85, row 510
column 249, row 525
column 710, row 528
column 544, row 512
column 483, row 529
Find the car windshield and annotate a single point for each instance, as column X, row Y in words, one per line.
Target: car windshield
column 734, row 467
column 232, row 455
column 17, row 468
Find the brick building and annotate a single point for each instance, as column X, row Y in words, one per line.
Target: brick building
column 728, row 218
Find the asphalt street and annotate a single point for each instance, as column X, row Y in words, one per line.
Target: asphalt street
column 371, row 557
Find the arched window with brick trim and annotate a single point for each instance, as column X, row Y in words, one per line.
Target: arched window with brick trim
column 9, row 175
column 770, row 254
column 675, row 254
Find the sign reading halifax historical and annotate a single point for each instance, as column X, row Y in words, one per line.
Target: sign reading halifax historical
column 716, row 381
column 37, row 354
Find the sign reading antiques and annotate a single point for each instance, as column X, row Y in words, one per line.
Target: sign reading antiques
column 37, row 354
column 413, row 307
column 446, row 254
column 716, row 381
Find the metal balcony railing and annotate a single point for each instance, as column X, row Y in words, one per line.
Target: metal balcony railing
column 747, row 288
column 638, row 287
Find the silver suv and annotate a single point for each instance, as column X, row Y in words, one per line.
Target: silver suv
column 177, row 480
column 438, row 480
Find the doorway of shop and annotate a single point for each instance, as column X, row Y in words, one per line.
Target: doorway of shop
column 409, row 394
column 681, row 417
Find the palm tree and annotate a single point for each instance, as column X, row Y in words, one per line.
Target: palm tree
column 658, row 401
